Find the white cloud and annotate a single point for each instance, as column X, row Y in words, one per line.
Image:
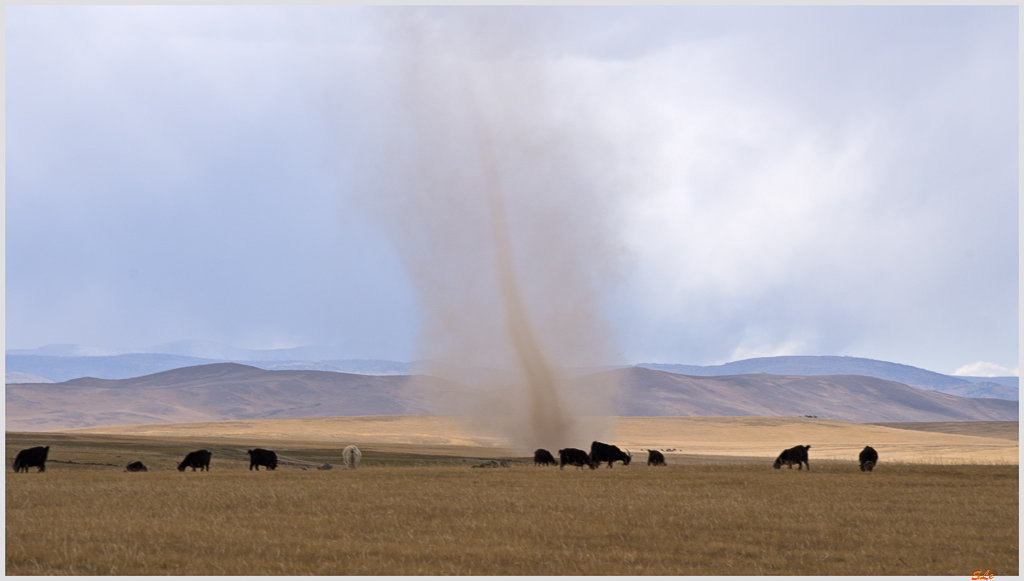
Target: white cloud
column 986, row 369
column 767, row 209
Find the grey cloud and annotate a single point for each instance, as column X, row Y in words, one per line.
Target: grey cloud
column 189, row 173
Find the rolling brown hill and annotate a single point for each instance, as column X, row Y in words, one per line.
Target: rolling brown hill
column 853, row 398
column 230, row 391
column 224, row 391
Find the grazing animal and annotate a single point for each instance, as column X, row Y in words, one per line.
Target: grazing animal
column 31, row 457
column 655, row 458
column 542, row 457
column 796, row 454
column 868, row 459
column 351, row 455
column 575, row 457
column 260, row 457
column 600, row 452
column 135, row 466
column 199, row 459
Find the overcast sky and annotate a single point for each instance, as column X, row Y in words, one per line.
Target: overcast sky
column 770, row 181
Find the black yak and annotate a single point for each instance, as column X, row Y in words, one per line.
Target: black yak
column 199, row 459
column 542, row 457
column 31, row 457
column 655, row 458
column 600, row 452
column 260, row 457
column 868, row 459
column 135, row 466
column 796, row 454
column 575, row 457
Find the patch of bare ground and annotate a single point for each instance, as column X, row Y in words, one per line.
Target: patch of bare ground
column 711, row 519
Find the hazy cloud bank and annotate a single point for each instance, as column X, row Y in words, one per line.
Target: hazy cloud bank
column 738, row 180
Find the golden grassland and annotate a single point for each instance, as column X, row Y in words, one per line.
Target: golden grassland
column 754, row 437
column 993, row 429
column 680, row 520
column 421, row 509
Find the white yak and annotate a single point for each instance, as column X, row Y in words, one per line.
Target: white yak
column 351, row 455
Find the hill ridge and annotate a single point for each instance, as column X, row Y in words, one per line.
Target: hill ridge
column 810, row 365
column 231, row 391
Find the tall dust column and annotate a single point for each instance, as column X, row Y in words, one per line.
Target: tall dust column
column 546, row 416
column 493, row 190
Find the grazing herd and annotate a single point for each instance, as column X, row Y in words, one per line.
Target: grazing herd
column 36, row 457
column 599, row 452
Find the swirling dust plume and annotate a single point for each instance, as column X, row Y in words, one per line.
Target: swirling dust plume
column 491, row 191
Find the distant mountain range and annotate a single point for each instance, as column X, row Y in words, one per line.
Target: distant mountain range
column 49, row 368
column 57, row 363
column 230, row 391
column 207, row 350
column 996, row 387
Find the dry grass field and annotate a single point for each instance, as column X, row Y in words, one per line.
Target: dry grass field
column 421, row 509
column 1006, row 430
column 748, row 437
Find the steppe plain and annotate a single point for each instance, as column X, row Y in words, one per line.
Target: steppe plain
column 939, row 503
